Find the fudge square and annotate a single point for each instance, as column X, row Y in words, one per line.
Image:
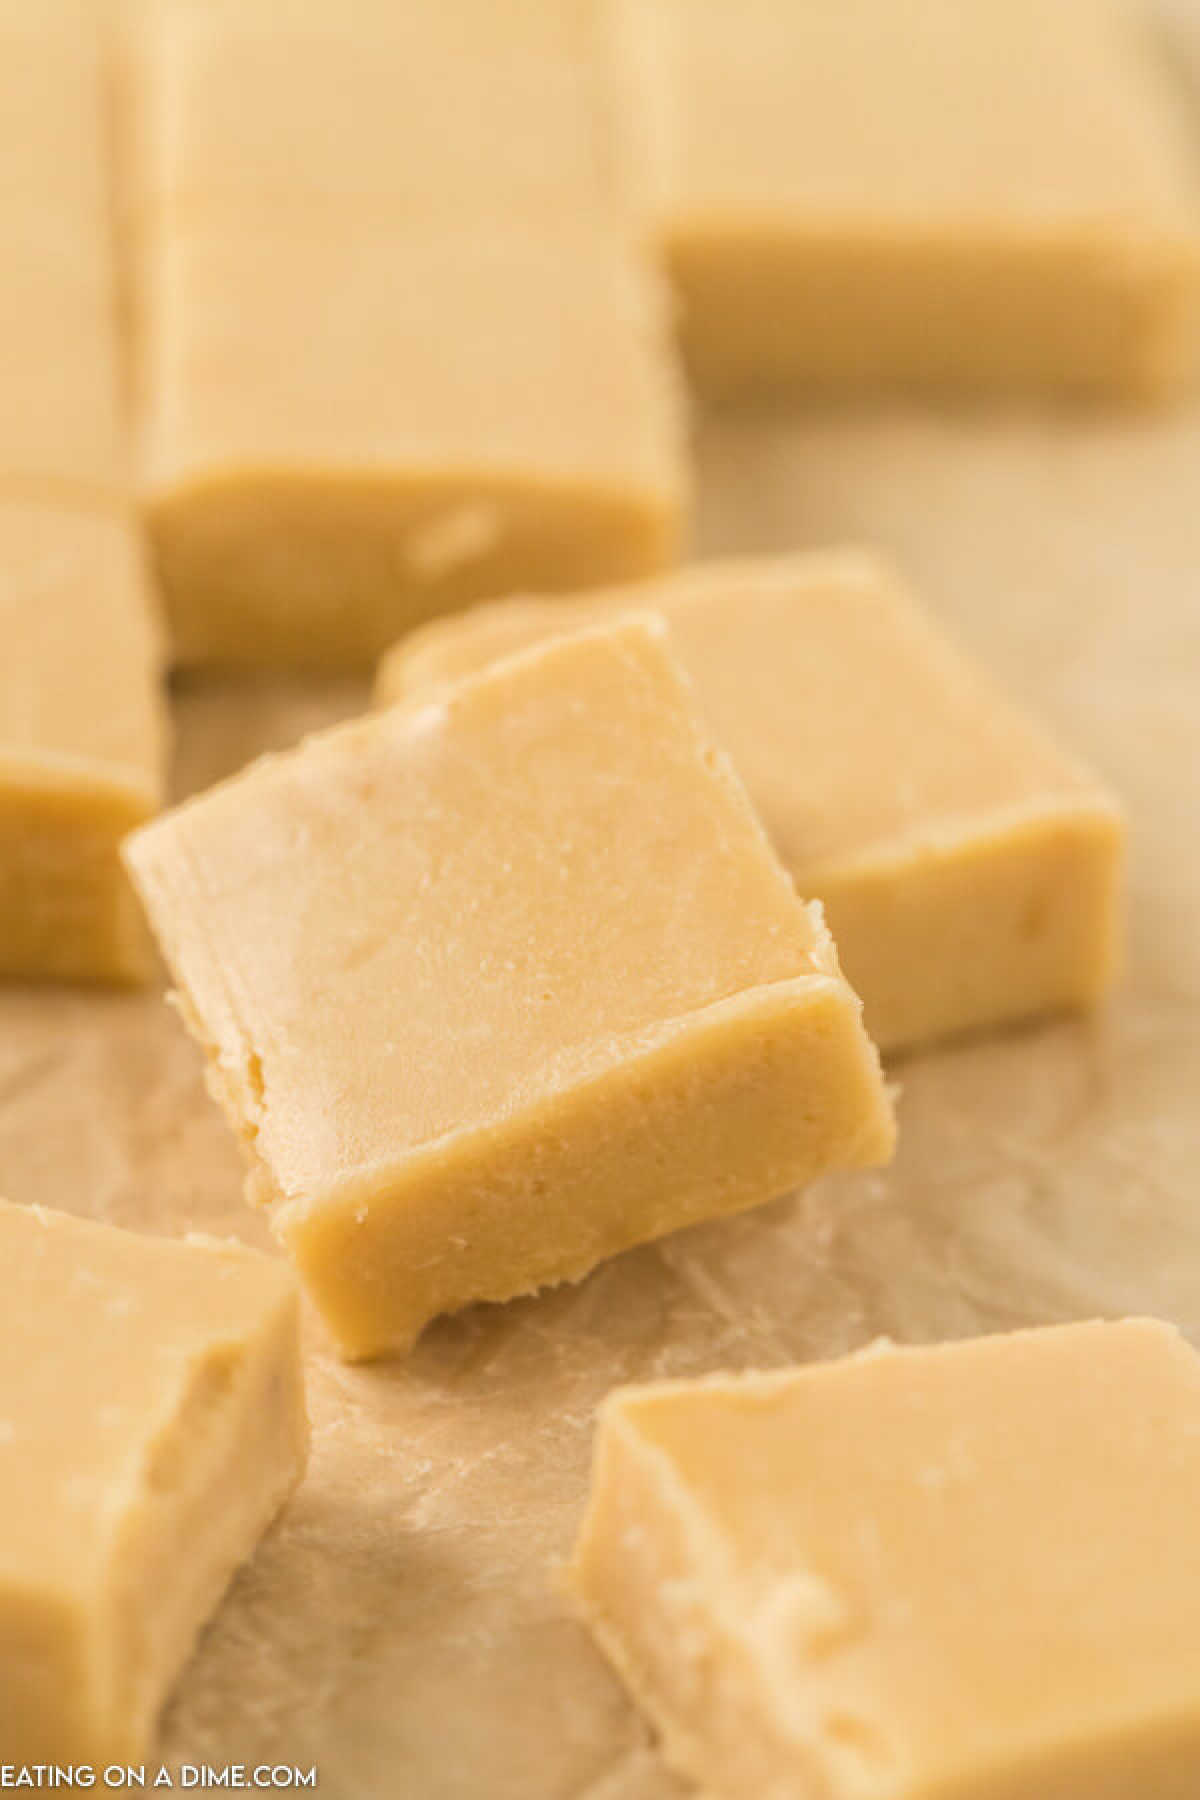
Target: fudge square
column 82, row 740
column 957, row 1573
column 969, row 869
column 852, row 193
column 151, row 1425
column 400, row 353
column 495, row 986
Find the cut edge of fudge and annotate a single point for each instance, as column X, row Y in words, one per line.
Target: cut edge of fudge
column 363, row 558
column 71, row 911
column 256, row 1396
column 1069, row 930
column 652, row 1548
column 173, row 1533
column 810, row 1085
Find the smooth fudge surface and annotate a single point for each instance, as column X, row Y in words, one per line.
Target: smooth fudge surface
column 350, row 427
column 965, row 1572
column 496, row 986
column 854, row 193
column 970, row 870
column 151, row 1425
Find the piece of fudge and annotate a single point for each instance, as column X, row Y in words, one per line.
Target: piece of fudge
column 494, row 987
column 854, row 193
column 970, row 871
column 82, row 740
column 151, row 1425
column 401, row 354
column 965, row 1572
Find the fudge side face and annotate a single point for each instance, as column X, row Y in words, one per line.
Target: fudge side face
column 153, row 1423
column 471, row 974
column 918, row 1574
column 82, row 741
column 971, row 870
column 825, row 180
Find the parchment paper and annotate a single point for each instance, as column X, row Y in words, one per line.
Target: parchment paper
column 399, row 1627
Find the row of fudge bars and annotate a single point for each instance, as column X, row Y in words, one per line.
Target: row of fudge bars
column 966, row 1570
column 394, row 303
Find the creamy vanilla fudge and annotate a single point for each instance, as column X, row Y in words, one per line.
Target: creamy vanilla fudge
column 854, row 193
column 151, row 1425
column 966, row 1572
column 82, row 740
column 401, row 353
column 495, row 986
column 969, row 869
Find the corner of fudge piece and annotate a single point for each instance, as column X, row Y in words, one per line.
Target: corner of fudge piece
column 152, row 1397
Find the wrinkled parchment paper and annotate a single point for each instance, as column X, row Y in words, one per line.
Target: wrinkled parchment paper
column 399, row 1626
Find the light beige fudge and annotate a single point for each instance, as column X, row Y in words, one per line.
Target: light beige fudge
column 854, row 193
column 965, row 1572
column 400, row 354
column 970, row 871
column 151, row 1425
column 81, row 725
column 495, row 987
column 82, row 741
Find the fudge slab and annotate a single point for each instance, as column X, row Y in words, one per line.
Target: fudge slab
column 966, row 1572
column 60, row 372
column 495, row 987
column 82, row 740
column 970, row 871
column 349, row 426
column 151, row 1425
column 854, row 193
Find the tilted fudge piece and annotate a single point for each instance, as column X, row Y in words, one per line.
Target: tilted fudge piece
column 965, row 1572
column 854, row 193
column 151, row 1425
column 494, row 987
column 401, row 353
column 970, row 871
